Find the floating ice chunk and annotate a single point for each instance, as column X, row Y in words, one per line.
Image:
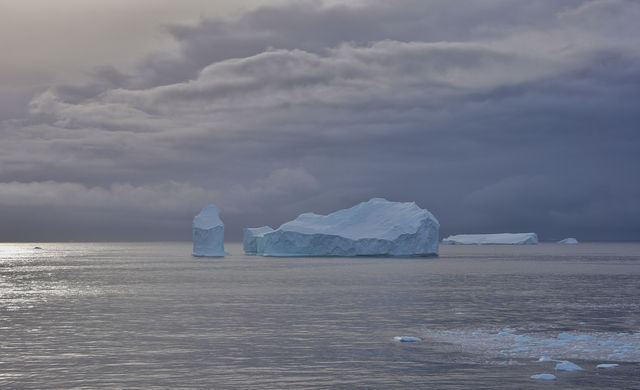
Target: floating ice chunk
column 567, row 366
column 523, row 338
column 374, row 228
column 607, row 365
column 492, row 239
column 546, row 359
column 252, row 237
column 571, row 337
column 583, row 346
column 568, row 240
column 546, row 377
column 610, row 344
column 208, row 233
column 407, row 339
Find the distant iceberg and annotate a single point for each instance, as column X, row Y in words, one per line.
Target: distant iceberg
column 250, row 238
column 546, row 377
column 569, row 240
column 407, row 339
column 492, row 239
column 374, row 228
column 208, row 233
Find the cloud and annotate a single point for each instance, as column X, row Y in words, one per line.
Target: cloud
column 496, row 116
column 168, row 205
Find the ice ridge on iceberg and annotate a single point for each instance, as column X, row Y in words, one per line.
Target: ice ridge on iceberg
column 492, row 239
column 377, row 227
column 208, row 233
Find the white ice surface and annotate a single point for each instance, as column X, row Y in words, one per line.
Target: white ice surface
column 492, row 239
column 374, row 228
column 513, row 343
column 547, row 377
column 568, row 366
column 569, row 240
column 407, row 339
column 607, row 365
column 208, row 233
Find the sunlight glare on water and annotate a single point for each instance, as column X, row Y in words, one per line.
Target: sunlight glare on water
column 149, row 315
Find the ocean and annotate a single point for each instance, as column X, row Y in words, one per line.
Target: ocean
column 151, row 316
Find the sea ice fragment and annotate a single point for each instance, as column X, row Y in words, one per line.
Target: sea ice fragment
column 547, row 377
column 567, row 366
column 407, row 339
column 607, row 365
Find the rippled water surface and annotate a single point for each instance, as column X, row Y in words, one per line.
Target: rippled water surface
column 150, row 316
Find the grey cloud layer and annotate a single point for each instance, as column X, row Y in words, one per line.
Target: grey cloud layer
column 496, row 116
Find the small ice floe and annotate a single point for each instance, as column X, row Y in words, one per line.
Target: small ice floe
column 611, row 344
column 514, row 343
column 546, row 359
column 568, row 240
column 407, row 339
column 579, row 337
column 546, row 377
column 567, row 366
column 516, row 349
column 607, row 365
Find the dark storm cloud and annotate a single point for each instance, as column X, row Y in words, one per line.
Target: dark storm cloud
column 497, row 116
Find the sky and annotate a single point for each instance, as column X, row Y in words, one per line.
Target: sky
column 120, row 120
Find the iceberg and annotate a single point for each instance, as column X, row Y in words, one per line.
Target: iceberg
column 377, row 227
column 407, row 339
column 546, row 359
column 492, row 239
column 607, row 365
column 568, row 366
column 546, row 377
column 250, row 238
column 569, row 240
column 208, row 233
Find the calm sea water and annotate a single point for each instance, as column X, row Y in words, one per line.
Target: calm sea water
column 150, row 316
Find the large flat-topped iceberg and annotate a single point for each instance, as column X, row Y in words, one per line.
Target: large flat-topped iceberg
column 374, row 228
column 492, row 239
column 208, row 233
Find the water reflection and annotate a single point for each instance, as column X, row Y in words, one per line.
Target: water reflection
column 148, row 315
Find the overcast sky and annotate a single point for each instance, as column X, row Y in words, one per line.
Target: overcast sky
column 120, row 120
